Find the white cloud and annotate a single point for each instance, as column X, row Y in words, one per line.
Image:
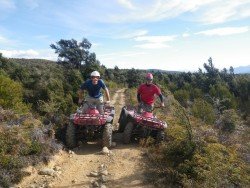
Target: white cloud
column 154, row 42
column 6, row 7
column 7, row 4
column 121, row 54
column 206, row 11
column 2, row 39
column 93, row 45
column 126, row 4
column 152, row 45
column 225, row 31
column 222, row 11
column 133, row 34
column 155, row 39
column 30, row 54
column 42, row 37
column 7, row 42
column 110, row 60
column 140, row 10
column 20, row 53
column 156, row 10
column 185, row 35
column 32, row 4
column 94, row 14
column 129, row 58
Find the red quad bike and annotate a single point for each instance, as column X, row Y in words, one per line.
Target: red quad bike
column 90, row 125
column 133, row 124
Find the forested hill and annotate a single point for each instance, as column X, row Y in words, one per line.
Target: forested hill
column 207, row 112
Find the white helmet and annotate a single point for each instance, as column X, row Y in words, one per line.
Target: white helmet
column 95, row 73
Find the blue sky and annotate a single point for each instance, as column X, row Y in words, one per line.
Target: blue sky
column 143, row 34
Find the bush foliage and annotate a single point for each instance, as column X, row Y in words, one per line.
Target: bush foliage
column 11, row 95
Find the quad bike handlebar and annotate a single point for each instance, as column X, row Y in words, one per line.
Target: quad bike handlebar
column 157, row 107
column 107, row 103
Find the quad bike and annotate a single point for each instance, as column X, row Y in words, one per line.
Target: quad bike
column 141, row 125
column 90, row 125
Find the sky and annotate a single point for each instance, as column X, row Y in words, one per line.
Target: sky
column 172, row 35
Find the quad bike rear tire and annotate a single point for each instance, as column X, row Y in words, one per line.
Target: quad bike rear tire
column 107, row 135
column 127, row 134
column 71, row 135
column 160, row 136
column 123, row 119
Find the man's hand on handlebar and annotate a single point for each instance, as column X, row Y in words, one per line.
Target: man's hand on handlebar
column 107, row 103
column 80, row 101
column 162, row 105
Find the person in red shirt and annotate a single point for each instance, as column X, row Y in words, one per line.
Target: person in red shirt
column 146, row 94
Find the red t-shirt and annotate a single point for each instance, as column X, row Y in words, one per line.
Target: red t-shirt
column 148, row 92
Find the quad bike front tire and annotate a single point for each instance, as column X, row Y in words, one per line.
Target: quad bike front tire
column 71, row 135
column 107, row 135
column 160, row 136
column 128, row 133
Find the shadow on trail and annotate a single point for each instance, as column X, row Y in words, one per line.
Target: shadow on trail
column 88, row 148
column 95, row 147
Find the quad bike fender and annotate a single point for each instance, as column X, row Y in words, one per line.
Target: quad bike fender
column 123, row 119
column 110, row 118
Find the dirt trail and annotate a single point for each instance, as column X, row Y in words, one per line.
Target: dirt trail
column 124, row 163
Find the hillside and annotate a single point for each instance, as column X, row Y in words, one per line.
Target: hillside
column 206, row 140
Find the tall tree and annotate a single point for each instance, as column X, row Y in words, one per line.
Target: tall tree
column 212, row 73
column 73, row 53
column 231, row 70
column 211, row 70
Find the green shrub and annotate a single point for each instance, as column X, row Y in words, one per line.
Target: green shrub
column 222, row 92
column 228, row 120
column 33, row 148
column 11, row 95
column 196, row 93
column 111, row 85
column 179, row 151
column 182, row 96
column 131, row 96
column 9, row 162
column 203, row 110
